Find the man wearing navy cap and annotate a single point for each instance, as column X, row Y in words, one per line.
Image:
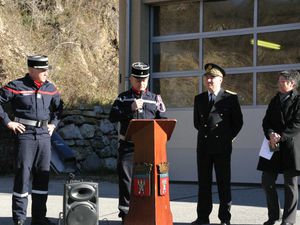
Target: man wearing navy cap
column 136, row 103
column 218, row 119
column 36, row 107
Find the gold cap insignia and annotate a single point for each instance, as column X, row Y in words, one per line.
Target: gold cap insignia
column 208, row 69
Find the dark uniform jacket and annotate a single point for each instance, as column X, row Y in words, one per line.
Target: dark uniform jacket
column 218, row 127
column 153, row 108
column 286, row 122
column 32, row 103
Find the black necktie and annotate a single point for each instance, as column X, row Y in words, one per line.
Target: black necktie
column 211, row 101
column 212, row 97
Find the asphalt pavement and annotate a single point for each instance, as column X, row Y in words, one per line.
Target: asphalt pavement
column 249, row 206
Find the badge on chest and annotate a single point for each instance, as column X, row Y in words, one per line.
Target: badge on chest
column 38, row 96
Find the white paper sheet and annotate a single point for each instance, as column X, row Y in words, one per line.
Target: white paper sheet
column 265, row 150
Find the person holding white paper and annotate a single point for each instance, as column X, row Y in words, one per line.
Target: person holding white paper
column 281, row 126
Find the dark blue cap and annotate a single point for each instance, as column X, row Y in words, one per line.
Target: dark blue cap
column 38, row 62
column 140, row 70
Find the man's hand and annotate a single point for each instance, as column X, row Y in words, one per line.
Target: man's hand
column 137, row 104
column 51, row 128
column 16, row 127
column 274, row 139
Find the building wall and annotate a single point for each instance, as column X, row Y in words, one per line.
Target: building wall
column 182, row 147
column 254, row 81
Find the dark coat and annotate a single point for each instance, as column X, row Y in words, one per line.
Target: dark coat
column 121, row 108
column 30, row 102
column 217, row 128
column 285, row 122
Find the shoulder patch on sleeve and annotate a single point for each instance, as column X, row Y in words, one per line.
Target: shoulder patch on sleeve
column 231, row 92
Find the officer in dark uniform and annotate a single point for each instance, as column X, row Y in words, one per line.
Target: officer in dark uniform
column 218, row 119
column 36, row 106
column 136, row 103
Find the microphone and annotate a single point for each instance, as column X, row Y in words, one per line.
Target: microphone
column 141, row 95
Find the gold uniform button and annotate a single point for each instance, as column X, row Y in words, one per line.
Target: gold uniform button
column 217, row 136
column 205, row 125
column 217, row 125
column 205, row 136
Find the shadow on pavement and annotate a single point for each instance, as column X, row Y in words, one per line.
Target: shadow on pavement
column 9, row 221
column 108, row 222
column 5, row 220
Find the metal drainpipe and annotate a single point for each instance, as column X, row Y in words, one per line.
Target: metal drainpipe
column 128, row 43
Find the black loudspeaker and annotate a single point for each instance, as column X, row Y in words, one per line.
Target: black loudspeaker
column 81, row 205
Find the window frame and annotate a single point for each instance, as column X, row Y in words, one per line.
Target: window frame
column 201, row 35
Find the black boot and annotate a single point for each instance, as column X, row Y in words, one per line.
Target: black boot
column 44, row 221
column 19, row 222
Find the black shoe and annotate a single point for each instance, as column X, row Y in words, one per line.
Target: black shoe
column 270, row 222
column 19, row 222
column 225, row 223
column 44, row 221
column 286, row 223
column 123, row 219
column 200, row 222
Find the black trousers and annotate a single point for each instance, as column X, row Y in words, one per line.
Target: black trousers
column 125, row 167
column 221, row 164
column 32, row 158
column 290, row 196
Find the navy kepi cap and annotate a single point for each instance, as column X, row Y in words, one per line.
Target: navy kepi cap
column 214, row 70
column 140, row 70
column 38, row 62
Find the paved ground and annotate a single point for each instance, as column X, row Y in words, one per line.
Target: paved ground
column 248, row 203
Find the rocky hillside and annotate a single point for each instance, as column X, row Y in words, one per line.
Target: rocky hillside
column 80, row 37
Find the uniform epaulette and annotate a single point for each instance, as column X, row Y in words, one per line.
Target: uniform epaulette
column 231, row 92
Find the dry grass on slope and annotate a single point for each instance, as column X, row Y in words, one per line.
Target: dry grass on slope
column 80, row 37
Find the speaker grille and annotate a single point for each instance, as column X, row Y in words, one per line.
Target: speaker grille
column 81, row 203
column 82, row 192
column 82, row 214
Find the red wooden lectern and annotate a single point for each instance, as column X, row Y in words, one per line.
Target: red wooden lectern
column 150, row 205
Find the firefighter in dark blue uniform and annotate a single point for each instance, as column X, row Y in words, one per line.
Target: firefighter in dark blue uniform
column 218, row 119
column 136, row 103
column 36, row 106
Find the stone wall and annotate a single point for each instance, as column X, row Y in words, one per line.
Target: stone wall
column 92, row 136
column 87, row 131
column 6, row 150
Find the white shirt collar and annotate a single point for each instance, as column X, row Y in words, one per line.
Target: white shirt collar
column 214, row 93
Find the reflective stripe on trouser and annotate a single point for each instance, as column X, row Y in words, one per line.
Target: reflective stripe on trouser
column 32, row 156
column 125, row 166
